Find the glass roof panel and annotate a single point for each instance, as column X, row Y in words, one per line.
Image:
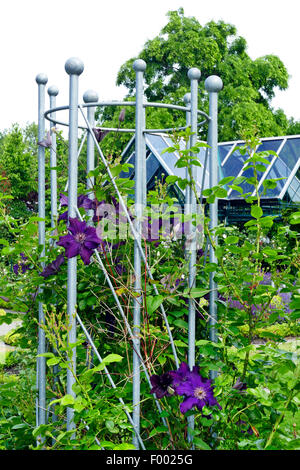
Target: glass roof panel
column 263, row 147
column 290, row 152
column 233, row 164
column 223, row 151
column 294, row 190
column 269, row 145
column 170, row 159
column 152, row 165
column 279, row 170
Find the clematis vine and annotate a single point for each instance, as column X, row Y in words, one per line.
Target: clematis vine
column 82, row 240
column 196, row 390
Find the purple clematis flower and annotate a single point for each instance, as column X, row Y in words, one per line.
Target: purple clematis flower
column 82, row 201
column 47, row 142
column 53, row 267
column 21, row 265
column 161, row 384
column 82, row 240
column 180, row 375
column 122, row 115
column 197, row 390
column 100, row 134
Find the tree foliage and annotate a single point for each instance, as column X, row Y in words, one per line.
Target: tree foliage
column 216, row 48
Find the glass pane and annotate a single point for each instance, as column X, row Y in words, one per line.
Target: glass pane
column 265, row 146
column 169, row 158
column 294, row 190
column 269, row 145
column 290, row 153
column 223, row 151
column 296, row 196
column 234, row 164
column 152, row 166
column 278, row 170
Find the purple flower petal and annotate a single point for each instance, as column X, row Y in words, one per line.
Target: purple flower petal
column 188, row 404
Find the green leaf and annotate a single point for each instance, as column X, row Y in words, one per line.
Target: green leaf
column 158, row 430
column 231, row 240
column 226, row 180
column 256, row 212
column 153, row 302
column 181, row 323
column 221, row 193
column 53, row 361
column 112, row 358
column 200, row 444
column 67, row 400
column 195, row 292
column 171, row 179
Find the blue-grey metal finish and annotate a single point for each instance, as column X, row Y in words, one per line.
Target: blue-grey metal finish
column 53, row 92
column 187, row 101
column 41, row 80
column 194, row 75
column 140, row 168
column 74, row 67
column 129, row 103
column 213, row 85
column 90, row 96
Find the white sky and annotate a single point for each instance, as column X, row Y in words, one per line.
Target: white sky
column 39, row 36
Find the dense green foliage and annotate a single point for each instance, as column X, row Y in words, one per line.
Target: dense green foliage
column 216, row 49
column 261, row 415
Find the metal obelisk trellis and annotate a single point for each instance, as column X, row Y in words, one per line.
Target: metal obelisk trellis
column 74, row 67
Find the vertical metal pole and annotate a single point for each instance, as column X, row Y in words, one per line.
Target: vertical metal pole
column 213, row 85
column 90, row 96
column 139, row 66
column 74, row 67
column 194, row 75
column 143, row 146
column 41, row 80
column 53, row 92
column 187, row 101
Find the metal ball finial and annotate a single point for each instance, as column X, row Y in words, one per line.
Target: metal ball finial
column 213, row 84
column 187, row 98
column 194, row 73
column 139, row 65
column 74, row 66
column 41, row 79
column 90, row 96
column 53, row 90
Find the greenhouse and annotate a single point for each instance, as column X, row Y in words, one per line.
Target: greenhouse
column 285, row 164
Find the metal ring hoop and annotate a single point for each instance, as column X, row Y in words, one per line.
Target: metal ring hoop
column 126, row 103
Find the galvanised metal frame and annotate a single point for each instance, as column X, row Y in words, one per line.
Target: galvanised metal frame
column 74, row 67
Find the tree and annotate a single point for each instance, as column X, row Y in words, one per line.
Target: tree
column 249, row 85
column 18, row 163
